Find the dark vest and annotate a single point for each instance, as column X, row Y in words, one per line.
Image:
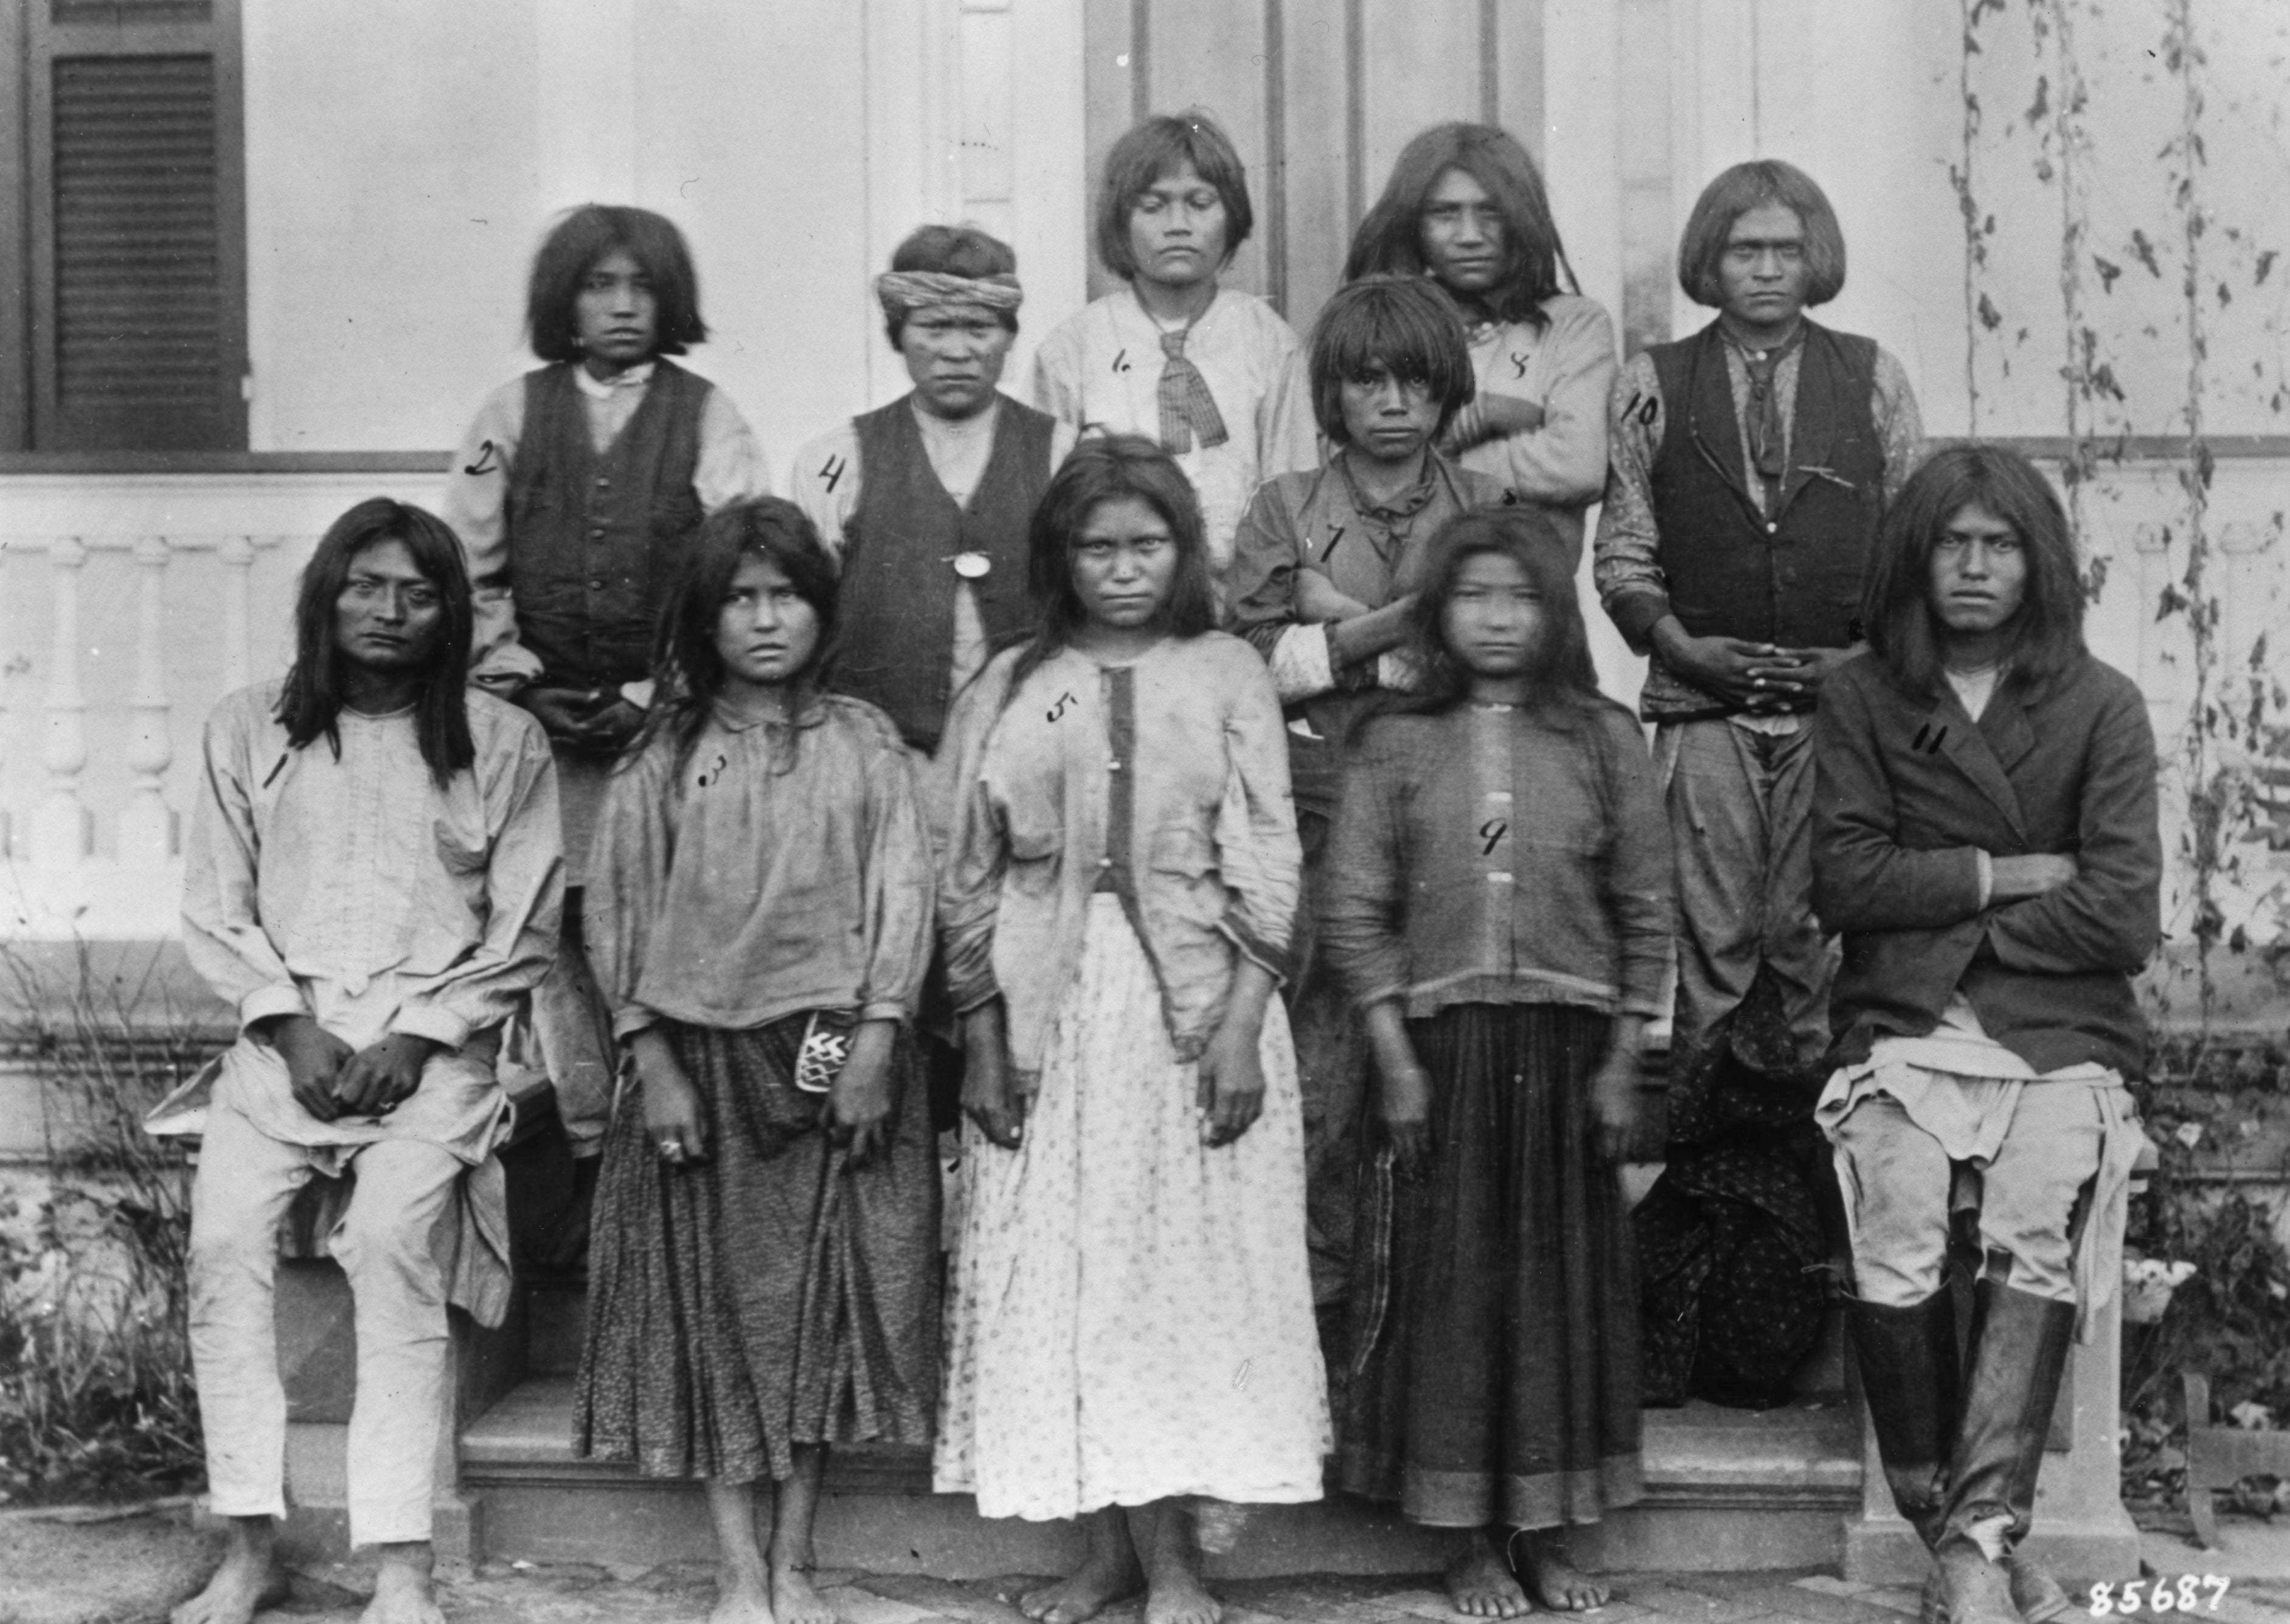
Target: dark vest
column 1793, row 578
column 592, row 537
column 897, row 611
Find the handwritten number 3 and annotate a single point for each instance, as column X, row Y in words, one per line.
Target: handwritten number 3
column 714, row 770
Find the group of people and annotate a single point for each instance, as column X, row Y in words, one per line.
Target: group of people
column 1102, row 789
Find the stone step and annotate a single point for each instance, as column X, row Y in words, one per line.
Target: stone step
column 1725, row 1490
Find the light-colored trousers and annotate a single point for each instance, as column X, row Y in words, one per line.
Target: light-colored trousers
column 1740, row 821
column 1897, row 1179
column 245, row 1182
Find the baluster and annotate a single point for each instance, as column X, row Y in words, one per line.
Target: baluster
column 147, row 828
column 238, row 555
column 60, row 826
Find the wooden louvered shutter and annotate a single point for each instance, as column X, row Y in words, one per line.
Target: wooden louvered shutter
column 137, row 298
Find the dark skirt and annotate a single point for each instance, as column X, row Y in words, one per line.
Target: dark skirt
column 769, row 1296
column 1494, row 1374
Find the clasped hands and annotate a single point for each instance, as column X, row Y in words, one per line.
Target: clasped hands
column 330, row 1079
column 1756, row 676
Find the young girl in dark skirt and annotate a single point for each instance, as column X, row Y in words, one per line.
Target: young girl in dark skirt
column 764, row 1269
column 1499, row 905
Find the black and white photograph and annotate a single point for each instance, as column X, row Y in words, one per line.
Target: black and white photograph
column 1179, row 811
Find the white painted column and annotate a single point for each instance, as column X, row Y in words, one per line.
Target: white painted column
column 238, row 555
column 146, row 827
column 60, row 828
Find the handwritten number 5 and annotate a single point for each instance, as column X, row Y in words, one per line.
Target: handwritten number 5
column 1059, row 709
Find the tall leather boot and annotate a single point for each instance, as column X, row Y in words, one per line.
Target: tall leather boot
column 2019, row 1347
column 1911, row 1379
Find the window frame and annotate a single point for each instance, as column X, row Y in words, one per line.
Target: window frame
column 30, row 40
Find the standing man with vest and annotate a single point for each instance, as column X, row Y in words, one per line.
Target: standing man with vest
column 572, row 493
column 925, row 502
column 1750, row 464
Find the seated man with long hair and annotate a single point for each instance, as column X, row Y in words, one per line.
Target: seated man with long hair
column 373, row 883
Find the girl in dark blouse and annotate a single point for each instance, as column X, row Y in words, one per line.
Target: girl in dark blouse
column 1499, row 906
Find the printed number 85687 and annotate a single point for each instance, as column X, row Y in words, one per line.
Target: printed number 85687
column 2185, row 1594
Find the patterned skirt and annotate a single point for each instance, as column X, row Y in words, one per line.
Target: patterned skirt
column 1130, row 1313
column 770, row 1296
column 1494, row 1376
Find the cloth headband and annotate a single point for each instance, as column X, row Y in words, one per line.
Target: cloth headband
column 902, row 292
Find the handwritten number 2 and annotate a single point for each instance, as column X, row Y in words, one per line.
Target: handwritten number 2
column 1492, row 832
column 485, row 463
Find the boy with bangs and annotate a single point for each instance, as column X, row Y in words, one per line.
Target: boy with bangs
column 573, row 492
column 1323, row 579
column 1208, row 372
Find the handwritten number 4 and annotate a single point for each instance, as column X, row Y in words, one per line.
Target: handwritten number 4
column 831, row 470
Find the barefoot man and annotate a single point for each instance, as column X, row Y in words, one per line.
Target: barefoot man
column 373, row 882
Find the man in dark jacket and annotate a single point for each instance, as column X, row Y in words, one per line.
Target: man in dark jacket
column 1984, row 837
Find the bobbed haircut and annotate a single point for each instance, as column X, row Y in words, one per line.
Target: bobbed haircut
column 1099, row 470
column 687, row 671
column 310, row 702
column 1561, row 675
column 1391, row 236
column 952, row 251
column 1701, row 245
column 579, row 238
column 1154, row 149
column 2046, row 633
column 1404, row 325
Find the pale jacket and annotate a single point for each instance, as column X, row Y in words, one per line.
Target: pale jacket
column 1167, row 779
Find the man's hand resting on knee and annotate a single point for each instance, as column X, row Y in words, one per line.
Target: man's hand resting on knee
column 383, row 1073
column 314, row 1059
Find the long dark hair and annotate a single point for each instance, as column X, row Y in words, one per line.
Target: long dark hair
column 2047, row 630
column 1103, row 469
column 1560, row 675
column 1391, row 236
column 574, row 244
column 687, row 671
column 310, row 703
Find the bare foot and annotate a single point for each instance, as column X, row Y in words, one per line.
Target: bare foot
column 1092, row 1588
column 249, row 1580
column 741, row 1597
column 1557, row 1584
column 401, row 1593
column 1480, row 1582
column 1175, row 1596
column 795, row 1601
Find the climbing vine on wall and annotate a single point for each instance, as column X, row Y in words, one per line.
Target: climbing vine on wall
column 2128, row 293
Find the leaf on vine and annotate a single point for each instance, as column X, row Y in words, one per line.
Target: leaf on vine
column 2172, row 601
column 2041, row 108
column 1991, row 318
column 2108, row 272
column 2145, row 252
column 2265, row 264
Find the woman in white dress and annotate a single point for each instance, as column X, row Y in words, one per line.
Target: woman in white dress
column 1130, row 1319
